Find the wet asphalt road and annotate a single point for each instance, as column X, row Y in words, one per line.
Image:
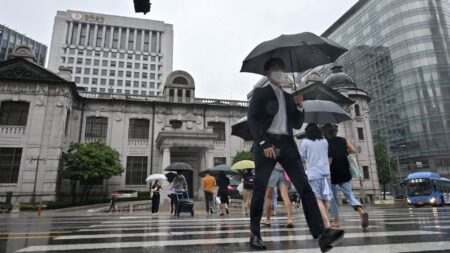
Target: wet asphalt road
column 392, row 230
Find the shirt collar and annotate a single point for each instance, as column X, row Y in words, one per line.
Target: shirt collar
column 275, row 86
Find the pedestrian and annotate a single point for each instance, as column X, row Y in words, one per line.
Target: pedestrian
column 113, row 205
column 208, row 183
column 248, row 183
column 278, row 180
column 338, row 150
column 155, row 192
column 272, row 114
column 179, row 183
column 314, row 151
column 223, row 182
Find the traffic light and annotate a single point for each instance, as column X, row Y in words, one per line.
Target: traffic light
column 142, row 6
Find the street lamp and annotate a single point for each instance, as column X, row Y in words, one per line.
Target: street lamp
column 37, row 159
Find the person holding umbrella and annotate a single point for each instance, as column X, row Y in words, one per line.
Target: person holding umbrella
column 272, row 114
column 223, row 182
column 155, row 190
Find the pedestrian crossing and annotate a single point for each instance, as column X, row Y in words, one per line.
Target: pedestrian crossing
column 391, row 230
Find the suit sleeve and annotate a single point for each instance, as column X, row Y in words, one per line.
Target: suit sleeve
column 254, row 115
column 298, row 116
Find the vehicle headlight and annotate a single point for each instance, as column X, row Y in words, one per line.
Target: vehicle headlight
column 408, row 200
column 432, row 200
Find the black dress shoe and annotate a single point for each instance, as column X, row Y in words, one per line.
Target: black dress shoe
column 256, row 242
column 329, row 238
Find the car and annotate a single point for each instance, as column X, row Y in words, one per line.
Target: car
column 388, row 195
column 124, row 194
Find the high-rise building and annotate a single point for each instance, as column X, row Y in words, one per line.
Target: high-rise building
column 112, row 54
column 399, row 54
column 9, row 39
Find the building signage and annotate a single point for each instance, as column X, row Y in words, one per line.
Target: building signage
column 88, row 18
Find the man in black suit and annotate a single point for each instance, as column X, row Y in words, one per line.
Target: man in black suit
column 272, row 114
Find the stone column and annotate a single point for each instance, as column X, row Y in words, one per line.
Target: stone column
column 165, row 158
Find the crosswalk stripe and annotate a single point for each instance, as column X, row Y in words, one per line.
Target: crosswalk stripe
column 177, row 233
column 385, row 248
column 161, row 243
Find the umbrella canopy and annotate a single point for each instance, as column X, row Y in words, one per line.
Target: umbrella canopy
column 243, row 165
column 155, row 177
column 241, row 129
column 322, row 112
column 179, row 167
column 204, row 172
column 171, row 175
column 225, row 168
column 299, row 52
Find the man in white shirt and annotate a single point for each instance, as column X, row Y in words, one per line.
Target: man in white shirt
column 272, row 114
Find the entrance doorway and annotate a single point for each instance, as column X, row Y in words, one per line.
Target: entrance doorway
column 192, row 157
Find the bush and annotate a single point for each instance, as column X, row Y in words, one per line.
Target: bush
column 28, row 207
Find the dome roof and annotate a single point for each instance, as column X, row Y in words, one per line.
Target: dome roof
column 339, row 79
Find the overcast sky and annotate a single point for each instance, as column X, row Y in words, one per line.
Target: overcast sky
column 211, row 37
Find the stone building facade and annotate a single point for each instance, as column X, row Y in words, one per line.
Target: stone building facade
column 42, row 113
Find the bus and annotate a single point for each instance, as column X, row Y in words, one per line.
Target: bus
column 427, row 188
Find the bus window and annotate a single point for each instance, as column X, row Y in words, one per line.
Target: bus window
column 419, row 187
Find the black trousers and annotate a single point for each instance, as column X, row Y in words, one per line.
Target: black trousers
column 155, row 202
column 208, row 200
column 289, row 158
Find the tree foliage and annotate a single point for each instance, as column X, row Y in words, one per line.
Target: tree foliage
column 384, row 162
column 89, row 164
column 242, row 155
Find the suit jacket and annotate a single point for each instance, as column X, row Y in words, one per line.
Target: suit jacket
column 263, row 108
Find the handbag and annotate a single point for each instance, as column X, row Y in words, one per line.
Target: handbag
column 353, row 166
column 240, row 188
column 286, row 177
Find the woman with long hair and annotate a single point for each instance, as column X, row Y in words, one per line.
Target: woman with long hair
column 155, row 191
column 338, row 150
column 314, row 151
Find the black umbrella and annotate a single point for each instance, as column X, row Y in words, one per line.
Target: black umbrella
column 204, row 172
column 299, row 52
column 322, row 112
column 241, row 129
column 179, row 167
column 171, row 175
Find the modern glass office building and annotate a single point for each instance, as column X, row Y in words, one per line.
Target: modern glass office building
column 112, row 54
column 399, row 52
column 9, row 39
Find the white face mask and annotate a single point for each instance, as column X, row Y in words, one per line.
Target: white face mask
column 278, row 76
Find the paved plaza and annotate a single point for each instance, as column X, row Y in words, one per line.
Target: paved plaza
column 391, row 230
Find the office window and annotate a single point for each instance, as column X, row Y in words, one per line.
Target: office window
column 119, row 82
column 79, row 60
column 94, row 80
column 89, row 52
column 129, row 65
column 107, row 37
column 77, row 79
column 86, row 80
column 138, row 129
column 135, row 92
column 127, row 84
column 98, row 42
column 220, row 160
column 115, row 41
column 152, row 85
column 10, row 164
column 123, row 36
column 120, row 73
column 143, row 92
column 71, row 60
column 121, row 64
column 112, row 64
column 136, row 74
column 95, row 71
column 119, row 90
column 78, row 70
column 74, row 33
column 102, row 81
column 144, row 66
column 105, row 54
column 130, row 57
column 152, row 66
column 128, row 74
column 88, row 61
column 146, row 41
column 136, row 171
column 137, row 65
column 83, row 34
column 87, row 71
column 96, row 127
column 144, row 84
column 93, row 90
column 104, row 72
column 14, row 113
column 91, row 36
column 138, row 41
column 127, row 91
column 136, row 84
column 96, row 62
column 360, row 133
column 145, row 58
column 131, row 40
column 112, row 73
column 104, row 63
column 111, row 82
column 137, row 57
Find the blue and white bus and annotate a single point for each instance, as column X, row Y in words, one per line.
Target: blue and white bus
column 427, row 188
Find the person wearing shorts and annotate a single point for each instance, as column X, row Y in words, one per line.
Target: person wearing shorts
column 278, row 180
column 314, row 151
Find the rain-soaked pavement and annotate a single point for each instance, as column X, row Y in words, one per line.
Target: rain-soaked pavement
column 391, row 230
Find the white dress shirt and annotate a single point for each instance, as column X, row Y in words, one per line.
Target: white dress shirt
column 279, row 123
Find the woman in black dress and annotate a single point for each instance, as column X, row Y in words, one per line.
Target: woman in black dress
column 223, row 182
column 156, row 189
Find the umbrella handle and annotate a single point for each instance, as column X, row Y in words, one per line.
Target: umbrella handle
column 292, row 68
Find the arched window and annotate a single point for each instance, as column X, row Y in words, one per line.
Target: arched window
column 180, row 80
column 139, row 129
column 357, row 110
column 14, row 113
column 96, row 127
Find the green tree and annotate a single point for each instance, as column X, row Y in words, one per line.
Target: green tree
column 384, row 162
column 242, row 155
column 90, row 163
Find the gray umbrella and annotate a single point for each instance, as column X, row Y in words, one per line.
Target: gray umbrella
column 224, row 168
column 179, row 167
column 299, row 52
column 322, row 112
